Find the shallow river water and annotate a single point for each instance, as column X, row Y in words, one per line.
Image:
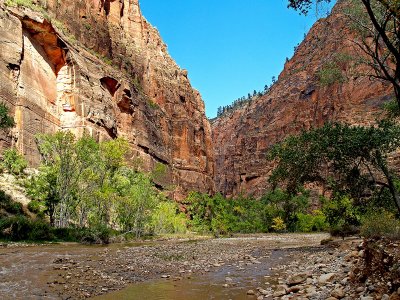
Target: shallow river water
column 72, row 271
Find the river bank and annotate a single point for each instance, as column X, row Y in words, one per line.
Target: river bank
column 288, row 266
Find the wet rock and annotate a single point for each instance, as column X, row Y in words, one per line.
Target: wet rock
column 250, row 292
column 280, row 290
column 297, row 279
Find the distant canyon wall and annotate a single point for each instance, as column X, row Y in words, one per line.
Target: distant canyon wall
column 298, row 101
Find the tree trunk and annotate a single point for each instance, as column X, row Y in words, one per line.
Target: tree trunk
column 390, row 181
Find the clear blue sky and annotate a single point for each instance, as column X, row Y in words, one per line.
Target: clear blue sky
column 230, row 47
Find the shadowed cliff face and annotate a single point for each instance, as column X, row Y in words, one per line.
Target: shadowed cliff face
column 298, row 101
column 100, row 67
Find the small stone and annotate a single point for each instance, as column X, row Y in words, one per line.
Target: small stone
column 385, row 297
column 228, row 279
column 297, row 279
column 280, row 291
column 338, row 293
column 260, row 297
column 165, row 276
column 366, row 298
column 324, row 278
column 250, row 292
column 294, row 289
column 263, row 292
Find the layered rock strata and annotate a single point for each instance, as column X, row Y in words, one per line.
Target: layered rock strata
column 100, row 67
column 300, row 100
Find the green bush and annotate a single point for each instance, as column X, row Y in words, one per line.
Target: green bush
column 167, row 219
column 311, row 222
column 35, row 206
column 18, row 3
column 278, row 224
column 99, row 234
column 380, row 224
column 9, row 205
column 14, row 162
column 15, row 228
column 342, row 216
column 329, row 74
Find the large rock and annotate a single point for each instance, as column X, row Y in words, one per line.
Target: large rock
column 100, row 67
column 298, row 101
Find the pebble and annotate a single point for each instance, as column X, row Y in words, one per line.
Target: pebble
column 250, row 292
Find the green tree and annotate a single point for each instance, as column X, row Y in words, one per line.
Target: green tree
column 5, row 120
column 137, row 198
column 14, row 162
column 348, row 159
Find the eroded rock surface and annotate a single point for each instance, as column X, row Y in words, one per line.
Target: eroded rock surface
column 297, row 101
column 100, row 67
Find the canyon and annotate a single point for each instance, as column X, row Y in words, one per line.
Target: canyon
column 298, row 101
column 98, row 67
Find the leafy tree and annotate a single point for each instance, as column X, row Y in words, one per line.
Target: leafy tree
column 137, row 198
column 5, row 120
column 13, row 161
column 348, row 159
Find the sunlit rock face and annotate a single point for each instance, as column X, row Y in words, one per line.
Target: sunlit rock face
column 99, row 67
column 298, row 101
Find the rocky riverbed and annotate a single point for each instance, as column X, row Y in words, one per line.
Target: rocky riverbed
column 287, row 266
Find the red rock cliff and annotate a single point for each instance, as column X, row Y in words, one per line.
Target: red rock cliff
column 99, row 66
column 297, row 101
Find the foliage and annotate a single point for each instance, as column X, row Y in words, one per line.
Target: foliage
column 380, row 223
column 342, row 215
column 5, row 120
column 89, row 185
column 222, row 216
column 329, row 74
column 278, row 224
column 377, row 25
column 24, row 3
column 137, row 199
column 282, row 204
column 22, row 228
column 8, row 205
column 167, row 219
column 347, row 159
column 14, row 162
column 316, row 221
column 36, row 207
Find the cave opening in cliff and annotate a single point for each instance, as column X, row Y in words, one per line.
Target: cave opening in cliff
column 110, row 84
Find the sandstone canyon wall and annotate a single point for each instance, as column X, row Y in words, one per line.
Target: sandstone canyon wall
column 98, row 66
column 298, row 101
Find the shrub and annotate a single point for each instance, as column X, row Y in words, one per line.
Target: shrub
column 311, row 222
column 99, row 234
column 15, row 228
column 19, row 227
column 278, row 224
column 329, row 74
column 380, row 224
column 342, row 216
column 165, row 219
column 5, row 120
column 14, row 162
column 37, row 208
